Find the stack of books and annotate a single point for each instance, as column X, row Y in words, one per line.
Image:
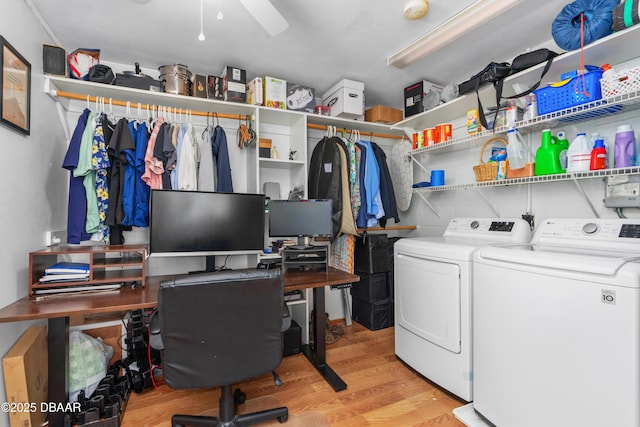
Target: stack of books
column 66, row 272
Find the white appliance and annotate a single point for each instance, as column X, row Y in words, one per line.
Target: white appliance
column 433, row 297
column 556, row 325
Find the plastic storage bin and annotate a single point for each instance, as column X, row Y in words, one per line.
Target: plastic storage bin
column 569, row 93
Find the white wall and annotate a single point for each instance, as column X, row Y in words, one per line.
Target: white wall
column 33, row 184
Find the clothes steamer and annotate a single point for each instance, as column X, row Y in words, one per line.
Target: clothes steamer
column 433, row 293
column 556, row 325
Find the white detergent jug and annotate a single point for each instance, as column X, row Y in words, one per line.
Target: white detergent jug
column 579, row 154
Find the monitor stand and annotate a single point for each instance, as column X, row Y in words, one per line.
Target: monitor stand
column 301, row 246
column 209, row 265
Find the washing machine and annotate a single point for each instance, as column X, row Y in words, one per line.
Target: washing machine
column 433, row 293
column 556, row 328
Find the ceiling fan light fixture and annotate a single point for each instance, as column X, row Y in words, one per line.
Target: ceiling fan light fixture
column 415, row 9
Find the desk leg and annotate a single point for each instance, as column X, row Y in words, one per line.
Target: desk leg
column 58, row 366
column 317, row 355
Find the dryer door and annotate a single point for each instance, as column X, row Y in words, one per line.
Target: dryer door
column 428, row 299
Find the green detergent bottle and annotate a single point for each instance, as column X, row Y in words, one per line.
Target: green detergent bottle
column 548, row 155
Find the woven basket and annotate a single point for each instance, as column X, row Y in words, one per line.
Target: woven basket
column 487, row 171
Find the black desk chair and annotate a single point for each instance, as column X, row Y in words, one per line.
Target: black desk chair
column 219, row 329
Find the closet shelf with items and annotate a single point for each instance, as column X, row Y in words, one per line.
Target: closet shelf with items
column 600, row 52
column 605, row 50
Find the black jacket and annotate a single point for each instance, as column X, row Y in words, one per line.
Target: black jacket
column 325, row 177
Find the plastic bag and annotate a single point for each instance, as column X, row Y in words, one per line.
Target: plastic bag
column 88, row 358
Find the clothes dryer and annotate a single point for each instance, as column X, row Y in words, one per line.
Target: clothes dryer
column 433, row 293
column 557, row 328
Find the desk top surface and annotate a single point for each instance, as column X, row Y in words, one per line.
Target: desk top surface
column 125, row 299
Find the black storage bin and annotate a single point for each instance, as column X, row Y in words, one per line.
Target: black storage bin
column 292, row 340
column 371, row 287
column 372, row 315
column 371, row 254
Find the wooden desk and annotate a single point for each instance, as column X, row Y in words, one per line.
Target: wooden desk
column 58, row 308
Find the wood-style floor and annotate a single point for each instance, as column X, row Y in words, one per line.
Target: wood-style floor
column 381, row 391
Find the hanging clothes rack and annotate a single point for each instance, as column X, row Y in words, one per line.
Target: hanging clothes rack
column 364, row 133
column 152, row 107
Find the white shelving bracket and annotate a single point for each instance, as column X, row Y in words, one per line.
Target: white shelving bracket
column 435, row 211
column 406, row 129
column 586, row 197
column 62, row 105
column 488, row 202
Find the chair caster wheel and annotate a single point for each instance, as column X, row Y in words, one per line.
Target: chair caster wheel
column 239, row 397
column 283, row 419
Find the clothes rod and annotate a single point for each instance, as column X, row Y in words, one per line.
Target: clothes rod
column 377, row 135
column 152, row 107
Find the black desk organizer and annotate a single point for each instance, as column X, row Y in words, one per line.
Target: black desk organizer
column 310, row 258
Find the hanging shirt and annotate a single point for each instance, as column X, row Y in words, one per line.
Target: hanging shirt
column 77, row 204
column 188, row 172
column 372, row 185
column 121, row 148
column 86, row 171
column 387, row 195
column 142, row 190
column 220, row 151
column 100, row 163
column 206, row 169
column 153, row 168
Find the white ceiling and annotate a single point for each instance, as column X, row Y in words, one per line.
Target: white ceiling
column 326, row 41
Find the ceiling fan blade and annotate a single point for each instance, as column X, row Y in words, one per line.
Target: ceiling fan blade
column 267, row 15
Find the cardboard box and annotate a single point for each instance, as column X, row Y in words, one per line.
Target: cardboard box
column 275, row 92
column 214, row 87
column 300, row 98
column 264, row 147
column 420, row 97
column 26, row 377
column 234, row 84
column 383, row 114
column 345, row 99
column 200, row 86
column 254, row 92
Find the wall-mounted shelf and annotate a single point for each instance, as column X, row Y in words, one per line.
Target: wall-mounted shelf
column 589, row 111
column 533, row 179
column 610, row 49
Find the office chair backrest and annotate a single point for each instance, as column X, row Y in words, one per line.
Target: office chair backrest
column 220, row 328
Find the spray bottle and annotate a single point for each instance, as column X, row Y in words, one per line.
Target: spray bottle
column 515, row 149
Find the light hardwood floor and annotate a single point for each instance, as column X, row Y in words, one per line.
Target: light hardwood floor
column 381, row 391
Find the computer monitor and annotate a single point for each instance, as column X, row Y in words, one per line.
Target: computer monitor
column 190, row 223
column 300, row 218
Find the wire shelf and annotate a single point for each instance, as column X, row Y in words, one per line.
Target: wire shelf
column 533, row 179
column 592, row 110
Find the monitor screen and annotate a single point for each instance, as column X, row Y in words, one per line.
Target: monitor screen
column 206, row 223
column 288, row 218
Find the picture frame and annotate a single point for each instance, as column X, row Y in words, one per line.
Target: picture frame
column 15, row 88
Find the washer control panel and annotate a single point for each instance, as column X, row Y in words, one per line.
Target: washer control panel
column 583, row 232
column 495, row 229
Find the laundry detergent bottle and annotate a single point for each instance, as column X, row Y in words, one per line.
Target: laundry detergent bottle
column 548, row 155
column 564, row 147
column 579, row 154
column 598, row 156
column 624, row 149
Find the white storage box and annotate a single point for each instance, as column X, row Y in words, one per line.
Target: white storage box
column 345, row 99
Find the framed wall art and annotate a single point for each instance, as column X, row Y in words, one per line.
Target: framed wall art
column 15, row 88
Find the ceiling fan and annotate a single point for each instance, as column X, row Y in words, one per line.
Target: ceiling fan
column 267, row 16
column 262, row 11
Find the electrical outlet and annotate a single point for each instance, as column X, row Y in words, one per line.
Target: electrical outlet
column 55, row 237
